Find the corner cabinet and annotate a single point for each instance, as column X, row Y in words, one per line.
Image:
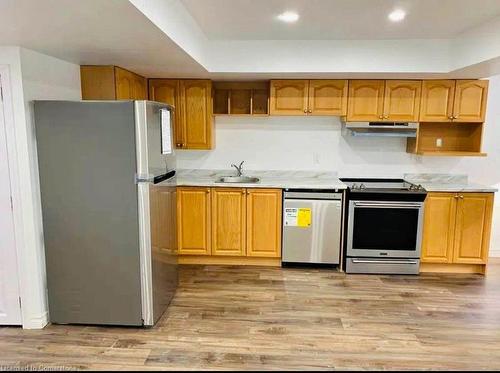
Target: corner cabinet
column 384, row 100
column 193, row 120
column 456, row 234
column 229, row 225
column 453, row 101
column 308, row 97
column 111, row 83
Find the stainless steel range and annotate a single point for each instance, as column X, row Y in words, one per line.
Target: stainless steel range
column 384, row 226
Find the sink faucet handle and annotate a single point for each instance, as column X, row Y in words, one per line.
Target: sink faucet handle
column 239, row 168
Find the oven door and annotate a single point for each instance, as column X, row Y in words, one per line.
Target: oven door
column 384, row 229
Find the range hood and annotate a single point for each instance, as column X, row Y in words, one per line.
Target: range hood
column 382, row 129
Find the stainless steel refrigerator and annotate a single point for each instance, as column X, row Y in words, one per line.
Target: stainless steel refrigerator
column 107, row 180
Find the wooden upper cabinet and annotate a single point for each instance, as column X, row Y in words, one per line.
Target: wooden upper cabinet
column 439, row 228
column 470, row 100
column 402, row 100
column 98, row 82
column 193, row 220
column 111, row 83
column 195, row 114
column 366, row 100
column 130, row 86
column 167, row 91
column 164, row 90
column 264, row 222
column 228, row 221
column 327, row 97
column 289, row 97
column 437, row 100
column 474, row 214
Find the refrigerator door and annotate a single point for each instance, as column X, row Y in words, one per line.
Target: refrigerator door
column 157, row 208
column 90, row 211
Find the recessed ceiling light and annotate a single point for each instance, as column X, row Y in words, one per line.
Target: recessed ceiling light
column 288, row 17
column 397, row 15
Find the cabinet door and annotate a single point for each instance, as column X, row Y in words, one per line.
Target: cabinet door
column 193, row 221
column 470, row 100
column 439, row 228
column 437, row 100
column 228, row 221
column 366, row 100
column 196, row 114
column 473, row 228
column 289, row 97
column 167, row 91
column 402, row 100
column 130, row 86
column 98, row 82
column 327, row 97
column 140, row 88
column 264, row 222
column 162, row 207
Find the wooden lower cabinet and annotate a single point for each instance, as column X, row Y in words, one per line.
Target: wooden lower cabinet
column 193, row 221
column 439, row 228
column 264, row 222
column 472, row 240
column 456, row 234
column 228, row 221
column 229, row 225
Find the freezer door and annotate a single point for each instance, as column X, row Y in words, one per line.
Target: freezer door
column 154, row 139
column 311, row 231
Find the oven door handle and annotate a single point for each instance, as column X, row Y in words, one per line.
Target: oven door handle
column 388, row 205
column 385, row 261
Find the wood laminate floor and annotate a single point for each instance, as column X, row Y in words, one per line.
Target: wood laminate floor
column 272, row 318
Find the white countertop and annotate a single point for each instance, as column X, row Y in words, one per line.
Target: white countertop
column 268, row 179
column 448, row 183
column 319, row 180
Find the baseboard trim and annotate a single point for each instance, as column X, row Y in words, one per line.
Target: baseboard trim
column 37, row 322
column 229, row 260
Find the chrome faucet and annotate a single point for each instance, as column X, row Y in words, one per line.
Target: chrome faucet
column 239, row 168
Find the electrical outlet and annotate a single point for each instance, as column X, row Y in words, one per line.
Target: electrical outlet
column 439, row 143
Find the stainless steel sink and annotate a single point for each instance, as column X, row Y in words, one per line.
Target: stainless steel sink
column 238, row 179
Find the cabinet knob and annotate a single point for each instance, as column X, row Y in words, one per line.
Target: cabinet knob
column 310, row 111
column 455, row 117
column 305, row 111
column 461, row 197
column 455, row 196
column 386, row 116
column 450, row 117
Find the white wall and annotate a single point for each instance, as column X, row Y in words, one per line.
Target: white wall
column 33, row 76
column 317, row 143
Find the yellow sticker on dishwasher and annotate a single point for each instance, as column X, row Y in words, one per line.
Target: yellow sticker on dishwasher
column 304, row 217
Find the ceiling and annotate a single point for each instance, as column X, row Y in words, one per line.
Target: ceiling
column 338, row 19
column 94, row 32
column 241, row 39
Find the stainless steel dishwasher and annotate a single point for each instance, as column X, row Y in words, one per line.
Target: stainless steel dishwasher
column 312, row 224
